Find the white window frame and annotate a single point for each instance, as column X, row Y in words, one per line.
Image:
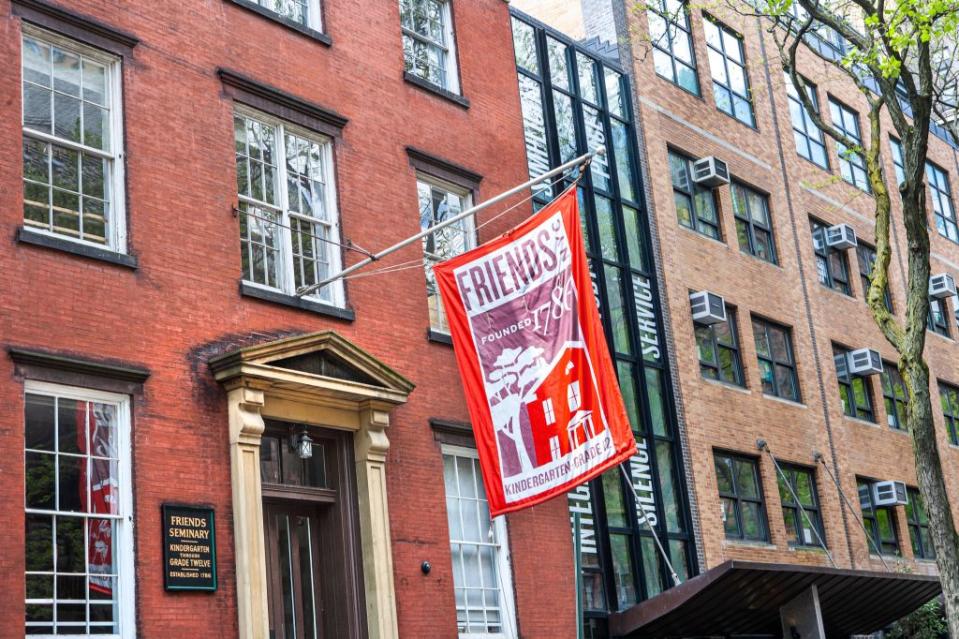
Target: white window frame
column 314, row 15
column 503, row 563
column 469, row 222
column 115, row 228
column 126, row 577
column 286, row 277
column 451, row 68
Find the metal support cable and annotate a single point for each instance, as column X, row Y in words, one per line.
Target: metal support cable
column 817, row 456
column 659, row 545
column 762, row 445
column 580, row 161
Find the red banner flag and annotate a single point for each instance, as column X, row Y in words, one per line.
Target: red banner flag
column 540, row 386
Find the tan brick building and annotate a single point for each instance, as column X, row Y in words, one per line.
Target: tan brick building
column 712, row 87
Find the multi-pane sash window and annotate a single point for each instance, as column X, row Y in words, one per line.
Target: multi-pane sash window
column 288, row 217
column 880, row 522
column 479, row 549
column 303, row 12
column 79, row 551
column 727, row 65
column 894, row 395
column 428, row 42
column 803, row 519
column 777, row 365
column 949, row 398
column 810, row 142
column 718, row 346
column 832, row 266
column 740, row 493
column 867, row 260
column 942, row 208
column 918, row 522
column 695, row 204
column 672, row 40
column 853, row 390
column 753, row 225
column 938, row 319
column 852, row 165
column 72, row 141
column 439, row 201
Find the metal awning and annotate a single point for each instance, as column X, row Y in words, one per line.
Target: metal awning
column 744, row 598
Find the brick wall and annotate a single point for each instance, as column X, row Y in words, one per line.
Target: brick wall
column 182, row 306
column 723, row 417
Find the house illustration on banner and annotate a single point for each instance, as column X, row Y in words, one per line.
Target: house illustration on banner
column 564, row 408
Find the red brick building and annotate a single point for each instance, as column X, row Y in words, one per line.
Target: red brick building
column 778, row 367
column 184, row 172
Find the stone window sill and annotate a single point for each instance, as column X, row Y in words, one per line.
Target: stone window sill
column 27, row 236
column 788, row 402
column 292, row 301
column 433, row 88
column 439, row 337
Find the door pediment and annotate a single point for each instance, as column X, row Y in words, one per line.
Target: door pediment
column 316, row 364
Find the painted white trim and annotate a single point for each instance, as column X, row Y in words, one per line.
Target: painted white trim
column 116, row 223
column 503, row 563
column 126, row 567
column 286, row 277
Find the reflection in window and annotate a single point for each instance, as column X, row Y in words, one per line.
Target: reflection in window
column 695, row 204
column 727, row 65
column 744, row 516
column 672, row 40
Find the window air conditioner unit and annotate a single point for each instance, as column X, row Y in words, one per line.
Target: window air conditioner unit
column 863, row 362
column 841, row 237
column 889, row 493
column 842, row 365
column 710, row 171
column 942, row 286
column 708, row 308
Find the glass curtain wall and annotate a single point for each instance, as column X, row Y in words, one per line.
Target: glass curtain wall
column 573, row 101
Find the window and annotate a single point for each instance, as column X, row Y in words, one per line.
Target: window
column 673, row 54
column 938, row 319
column 727, row 65
column 854, row 390
column 894, row 395
column 852, row 164
column 949, row 397
column 867, row 260
column 777, row 367
column 880, row 522
column 305, row 13
column 832, row 267
column 287, row 201
column 308, row 523
column 918, row 522
column 810, row 142
column 428, row 42
column 79, row 544
column 801, row 529
column 942, row 208
column 741, row 495
column 897, row 160
column 479, row 549
column 718, row 346
column 439, row 201
column 695, row 204
column 72, row 141
column 753, row 226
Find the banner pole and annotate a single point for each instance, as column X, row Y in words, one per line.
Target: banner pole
column 659, row 545
column 585, row 158
column 578, row 564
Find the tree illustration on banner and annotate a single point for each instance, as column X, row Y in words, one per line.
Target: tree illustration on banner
column 539, row 381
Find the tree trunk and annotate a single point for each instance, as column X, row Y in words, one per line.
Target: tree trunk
column 915, row 374
column 933, row 487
